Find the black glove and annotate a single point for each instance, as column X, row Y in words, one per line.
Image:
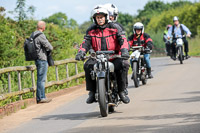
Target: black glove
column 149, row 45
column 125, row 53
column 80, row 55
column 147, row 50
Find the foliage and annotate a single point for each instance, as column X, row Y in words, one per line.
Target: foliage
column 188, row 15
column 12, row 37
column 62, row 20
column 194, row 46
column 126, row 20
column 21, row 11
column 83, row 27
column 57, row 18
column 154, row 8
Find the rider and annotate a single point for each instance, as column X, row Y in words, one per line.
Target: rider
column 179, row 30
column 167, row 42
column 113, row 15
column 140, row 38
column 104, row 36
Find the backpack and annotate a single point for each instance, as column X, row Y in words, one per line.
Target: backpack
column 182, row 31
column 30, row 48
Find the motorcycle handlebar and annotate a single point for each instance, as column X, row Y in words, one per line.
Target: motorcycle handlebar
column 178, row 36
column 136, row 47
column 105, row 52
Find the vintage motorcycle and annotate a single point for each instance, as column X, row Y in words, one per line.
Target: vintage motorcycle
column 106, row 82
column 138, row 65
column 179, row 48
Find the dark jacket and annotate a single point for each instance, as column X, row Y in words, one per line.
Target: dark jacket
column 142, row 40
column 111, row 37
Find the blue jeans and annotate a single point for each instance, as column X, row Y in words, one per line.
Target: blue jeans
column 147, row 60
column 42, row 67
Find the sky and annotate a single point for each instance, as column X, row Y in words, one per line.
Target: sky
column 80, row 10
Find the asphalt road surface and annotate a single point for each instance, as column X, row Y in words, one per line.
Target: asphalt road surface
column 169, row 103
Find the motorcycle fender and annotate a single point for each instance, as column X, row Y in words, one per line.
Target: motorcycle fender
column 101, row 75
column 135, row 55
column 134, row 59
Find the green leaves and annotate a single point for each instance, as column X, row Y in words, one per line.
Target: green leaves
column 188, row 15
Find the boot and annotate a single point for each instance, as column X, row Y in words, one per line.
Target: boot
column 149, row 73
column 91, row 97
column 125, row 99
column 173, row 57
column 186, row 55
column 126, row 91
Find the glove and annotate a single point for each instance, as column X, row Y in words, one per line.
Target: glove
column 147, row 50
column 80, row 55
column 124, row 53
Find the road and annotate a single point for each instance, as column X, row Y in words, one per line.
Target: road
column 169, row 103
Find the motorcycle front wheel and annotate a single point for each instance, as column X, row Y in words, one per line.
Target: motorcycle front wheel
column 180, row 55
column 135, row 74
column 102, row 97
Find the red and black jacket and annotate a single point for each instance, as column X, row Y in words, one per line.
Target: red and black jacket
column 141, row 40
column 111, row 37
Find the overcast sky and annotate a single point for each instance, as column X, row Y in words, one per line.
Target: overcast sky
column 80, row 10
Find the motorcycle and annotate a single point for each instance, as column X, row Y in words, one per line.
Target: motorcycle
column 106, row 82
column 179, row 49
column 138, row 65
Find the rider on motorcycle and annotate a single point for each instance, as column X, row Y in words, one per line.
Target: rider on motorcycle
column 140, row 38
column 178, row 30
column 167, row 42
column 113, row 15
column 104, row 36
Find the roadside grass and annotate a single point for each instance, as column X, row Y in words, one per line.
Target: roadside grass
column 194, row 46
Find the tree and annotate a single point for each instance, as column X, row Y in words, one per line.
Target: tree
column 154, row 8
column 21, row 10
column 57, row 18
column 73, row 24
column 150, row 9
column 127, row 21
column 83, row 27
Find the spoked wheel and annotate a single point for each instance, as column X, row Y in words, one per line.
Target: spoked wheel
column 102, row 97
column 144, row 74
column 144, row 80
column 135, row 74
column 180, row 55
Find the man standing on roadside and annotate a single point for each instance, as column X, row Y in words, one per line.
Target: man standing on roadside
column 42, row 47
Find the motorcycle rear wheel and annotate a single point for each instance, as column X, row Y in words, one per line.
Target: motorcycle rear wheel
column 102, row 97
column 144, row 81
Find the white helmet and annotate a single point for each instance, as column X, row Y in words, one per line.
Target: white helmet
column 138, row 26
column 112, row 9
column 98, row 6
column 100, row 10
column 175, row 18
